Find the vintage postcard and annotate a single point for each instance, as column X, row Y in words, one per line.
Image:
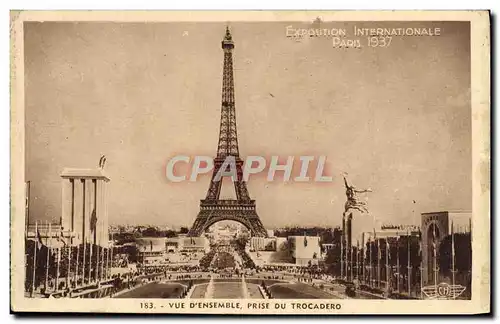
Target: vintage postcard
column 241, row 162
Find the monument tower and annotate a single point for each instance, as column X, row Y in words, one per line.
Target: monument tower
column 212, row 208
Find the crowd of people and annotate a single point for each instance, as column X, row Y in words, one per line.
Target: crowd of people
column 247, row 262
column 186, row 276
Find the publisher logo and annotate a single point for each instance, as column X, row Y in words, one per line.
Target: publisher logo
column 443, row 291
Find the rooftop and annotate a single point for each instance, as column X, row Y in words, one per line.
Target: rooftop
column 84, row 173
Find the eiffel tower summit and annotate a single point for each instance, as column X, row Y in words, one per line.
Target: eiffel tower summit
column 212, row 208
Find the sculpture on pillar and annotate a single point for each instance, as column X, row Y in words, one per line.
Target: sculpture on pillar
column 353, row 202
column 102, row 162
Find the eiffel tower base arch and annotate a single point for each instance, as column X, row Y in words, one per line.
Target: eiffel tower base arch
column 243, row 212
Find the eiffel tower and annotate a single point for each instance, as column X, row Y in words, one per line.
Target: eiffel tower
column 212, row 208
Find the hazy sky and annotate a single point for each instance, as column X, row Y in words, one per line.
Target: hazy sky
column 397, row 119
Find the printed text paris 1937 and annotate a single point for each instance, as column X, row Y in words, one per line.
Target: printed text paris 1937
column 359, row 37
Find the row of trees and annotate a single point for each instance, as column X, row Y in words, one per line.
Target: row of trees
column 130, row 237
column 206, row 260
column 239, row 245
column 224, row 260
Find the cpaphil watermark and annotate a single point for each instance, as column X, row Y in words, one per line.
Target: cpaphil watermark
column 307, row 168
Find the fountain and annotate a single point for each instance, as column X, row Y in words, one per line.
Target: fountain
column 244, row 288
column 209, row 294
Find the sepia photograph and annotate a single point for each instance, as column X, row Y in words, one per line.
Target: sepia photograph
column 250, row 163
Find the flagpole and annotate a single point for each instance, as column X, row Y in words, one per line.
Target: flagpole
column 370, row 277
column 363, row 264
column 351, row 262
column 97, row 265
column 34, row 259
column 348, row 248
column 379, row 256
column 77, row 261
column 357, row 261
column 435, row 268
column 97, row 259
column 47, row 261
column 387, row 251
column 452, row 255
column 375, row 275
column 421, row 263
column 69, row 265
column 97, row 252
column 102, row 263
column 111, row 255
column 363, row 261
column 90, row 260
column 434, row 256
column 102, row 252
column 58, row 268
column 107, row 261
column 409, row 262
column 84, row 265
column 397, row 262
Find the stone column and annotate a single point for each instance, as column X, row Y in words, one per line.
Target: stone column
column 349, row 244
column 67, row 215
column 78, row 209
column 101, row 212
column 87, row 210
column 82, row 191
column 342, row 247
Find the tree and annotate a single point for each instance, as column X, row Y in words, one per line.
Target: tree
column 122, row 238
column 132, row 253
column 332, row 260
column 241, row 242
column 151, row 232
column 330, row 235
column 169, row 233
